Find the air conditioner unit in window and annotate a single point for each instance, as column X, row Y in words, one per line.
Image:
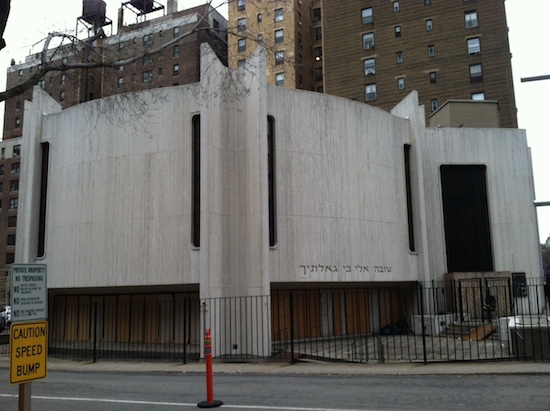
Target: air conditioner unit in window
column 369, row 71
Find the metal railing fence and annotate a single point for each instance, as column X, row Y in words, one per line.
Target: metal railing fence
column 463, row 320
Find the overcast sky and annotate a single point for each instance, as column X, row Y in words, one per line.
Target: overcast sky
column 31, row 20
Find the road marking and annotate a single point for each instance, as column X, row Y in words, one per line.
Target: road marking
column 182, row 404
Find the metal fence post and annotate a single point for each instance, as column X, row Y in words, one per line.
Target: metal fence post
column 422, row 322
column 95, row 332
column 292, row 326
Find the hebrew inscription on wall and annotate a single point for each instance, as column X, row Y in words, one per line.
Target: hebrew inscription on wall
column 333, row 269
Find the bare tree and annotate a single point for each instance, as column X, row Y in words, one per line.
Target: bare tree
column 4, row 13
column 86, row 55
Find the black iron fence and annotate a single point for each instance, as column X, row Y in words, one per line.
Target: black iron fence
column 461, row 320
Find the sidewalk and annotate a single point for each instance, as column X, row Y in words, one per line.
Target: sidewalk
column 300, row 368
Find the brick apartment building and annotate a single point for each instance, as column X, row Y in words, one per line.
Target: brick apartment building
column 174, row 65
column 10, row 166
column 378, row 51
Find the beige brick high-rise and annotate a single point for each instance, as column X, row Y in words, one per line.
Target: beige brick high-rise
column 377, row 51
column 283, row 27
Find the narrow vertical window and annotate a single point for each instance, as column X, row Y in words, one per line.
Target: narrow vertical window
column 196, row 185
column 271, row 180
column 43, row 197
column 407, row 151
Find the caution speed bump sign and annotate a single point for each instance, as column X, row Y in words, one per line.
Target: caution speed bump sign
column 28, row 351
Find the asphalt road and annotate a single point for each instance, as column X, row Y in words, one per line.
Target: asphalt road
column 159, row 392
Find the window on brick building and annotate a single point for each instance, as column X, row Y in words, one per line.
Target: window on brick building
column 241, row 4
column 478, row 96
column 279, row 14
column 369, row 66
column 317, row 34
column 10, row 258
column 14, row 185
column 260, row 17
column 176, row 32
column 318, row 73
column 397, row 30
column 61, row 96
column 368, row 41
column 12, row 221
column 433, row 77
column 18, row 107
column 11, row 240
column 279, row 36
column 476, row 72
column 176, row 70
column 14, row 202
column 120, row 82
column 15, row 167
column 63, row 79
column 431, row 51
column 474, row 46
column 316, row 14
column 241, row 24
column 17, row 122
column 241, row 45
column 370, row 92
column 280, row 79
column 279, row 57
column 318, row 53
column 396, row 6
column 435, row 104
column 366, row 16
column 147, row 76
column 399, row 57
column 401, row 83
column 470, row 19
column 16, row 150
column 148, row 40
column 429, row 25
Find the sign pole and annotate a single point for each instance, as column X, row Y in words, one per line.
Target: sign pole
column 25, row 397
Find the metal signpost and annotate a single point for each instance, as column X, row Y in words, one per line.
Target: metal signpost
column 28, row 336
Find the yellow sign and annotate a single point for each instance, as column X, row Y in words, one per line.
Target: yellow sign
column 28, row 351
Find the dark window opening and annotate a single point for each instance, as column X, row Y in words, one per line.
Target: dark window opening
column 466, row 218
column 43, row 197
column 196, row 188
column 271, row 180
column 407, row 151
